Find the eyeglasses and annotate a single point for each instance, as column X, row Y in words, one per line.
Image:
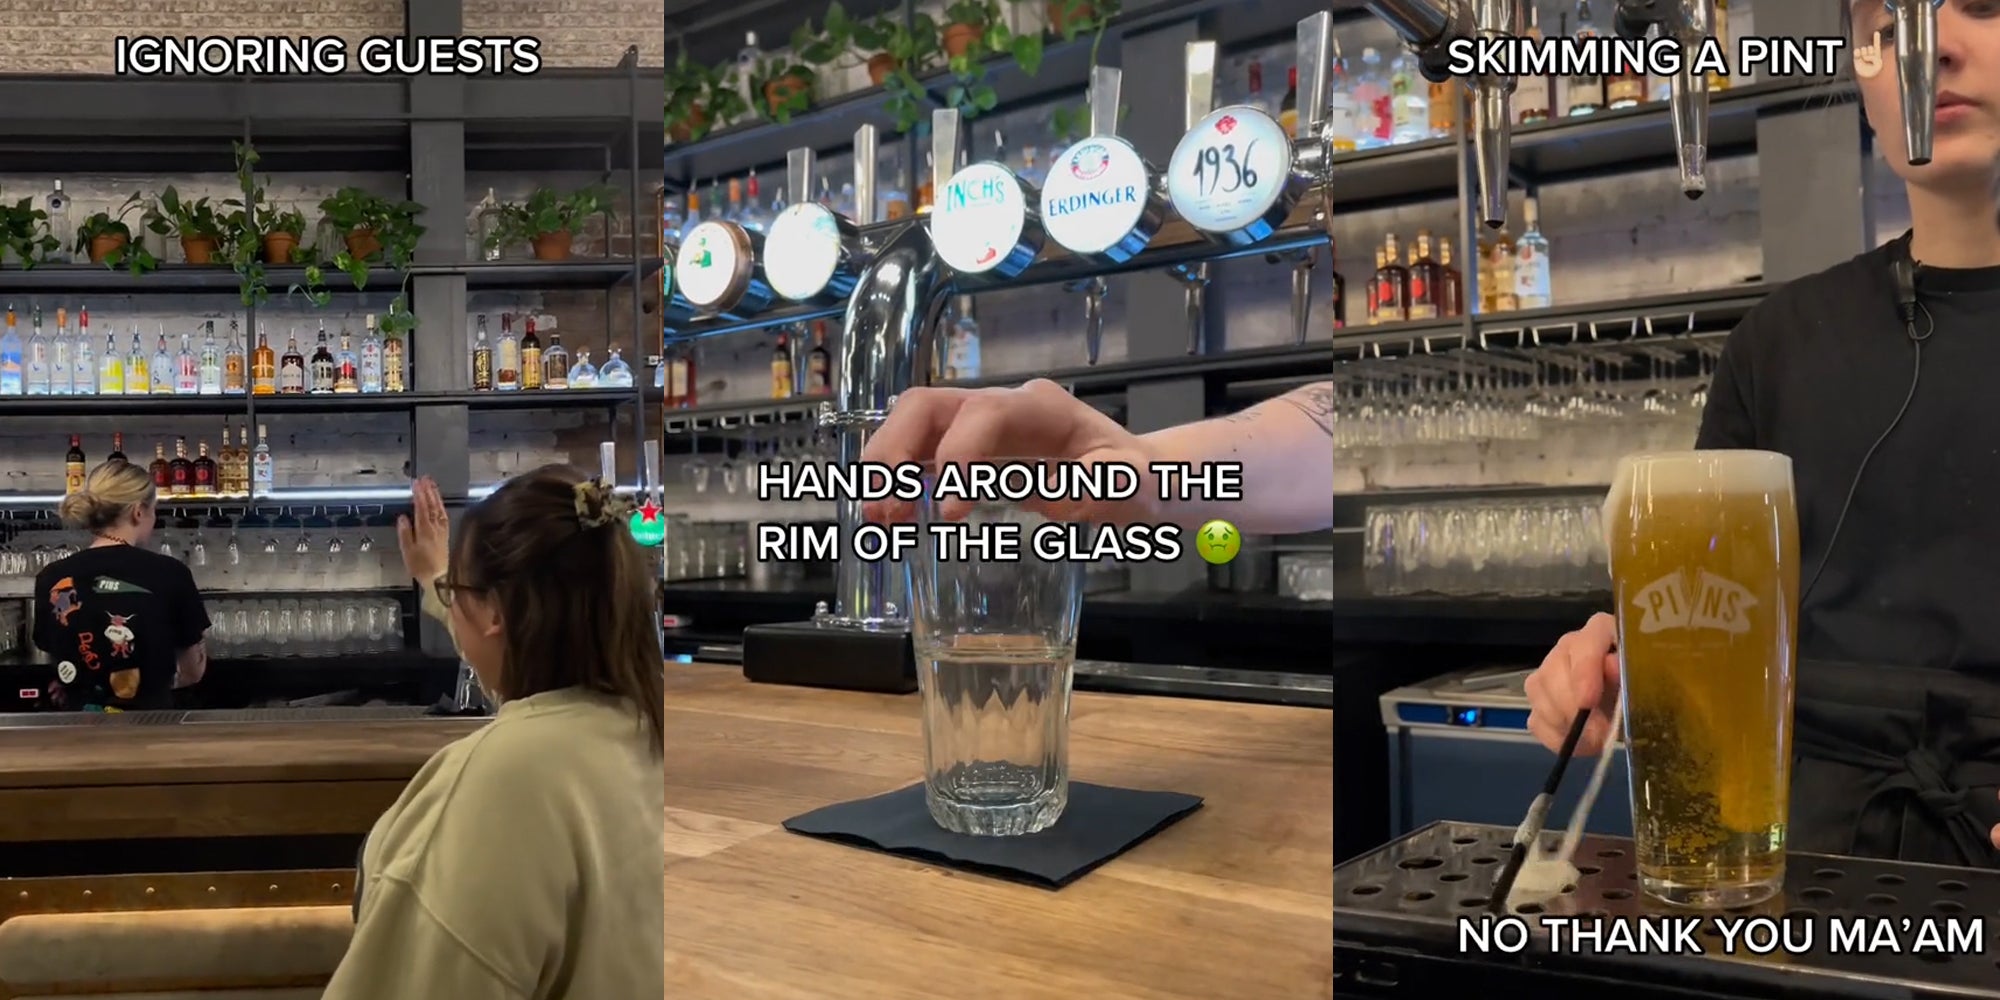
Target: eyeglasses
column 448, row 590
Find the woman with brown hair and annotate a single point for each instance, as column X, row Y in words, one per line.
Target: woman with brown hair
column 524, row 861
column 125, row 625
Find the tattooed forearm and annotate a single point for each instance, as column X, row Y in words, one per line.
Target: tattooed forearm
column 1315, row 401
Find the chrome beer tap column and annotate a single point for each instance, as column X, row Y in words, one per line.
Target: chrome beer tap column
column 1689, row 22
column 1430, row 27
column 1917, row 72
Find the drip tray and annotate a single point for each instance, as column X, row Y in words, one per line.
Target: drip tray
column 1407, row 917
column 359, row 713
column 65, row 720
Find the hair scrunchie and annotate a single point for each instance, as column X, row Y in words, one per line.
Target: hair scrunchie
column 598, row 504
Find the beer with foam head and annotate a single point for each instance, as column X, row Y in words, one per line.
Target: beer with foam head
column 1704, row 550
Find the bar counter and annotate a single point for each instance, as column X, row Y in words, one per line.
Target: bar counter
column 1233, row 901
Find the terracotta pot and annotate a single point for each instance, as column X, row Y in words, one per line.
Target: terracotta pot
column 102, row 245
column 779, row 92
column 683, row 129
column 880, row 65
column 552, row 246
column 361, row 244
column 278, row 247
column 198, row 249
column 959, row 37
column 1058, row 12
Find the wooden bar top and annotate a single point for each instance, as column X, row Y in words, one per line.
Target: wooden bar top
column 1234, row 901
column 96, row 756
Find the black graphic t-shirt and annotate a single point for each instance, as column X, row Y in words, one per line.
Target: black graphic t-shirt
column 114, row 619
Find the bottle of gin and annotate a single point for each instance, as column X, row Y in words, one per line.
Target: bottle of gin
column 346, row 365
column 208, row 369
column 10, row 358
column 261, row 473
column 111, row 368
column 187, row 368
column 62, row 356
column 371, row 358
column 83, row 359
column 36, row 360
column 138, row 381
column 59, row 224
column 163, row 369
column 583, row 374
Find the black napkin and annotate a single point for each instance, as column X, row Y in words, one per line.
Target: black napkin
column 1099, row 824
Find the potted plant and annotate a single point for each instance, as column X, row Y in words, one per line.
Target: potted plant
column 688, row 86
column 107, row 237
column 371, row 228
column 281, row 234
column 1070, row 18
column 196, row 223
column 899, row 50
column 829, row 46
column 547, row 220
column 24, row 232
column 786, row 85
column 966, row 22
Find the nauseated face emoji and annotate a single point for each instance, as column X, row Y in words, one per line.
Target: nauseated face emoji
column 1218, row 542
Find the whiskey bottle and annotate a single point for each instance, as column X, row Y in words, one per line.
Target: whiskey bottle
column 163, row 478
column 117, row 448
column 1339, row 299
column 371, row 357
column 1374, row 298
column 507, row 360
column 235, row 373
column 346, row 366
column 1451, row 294
column 531, row 356
column 1393, row 306
column 781, row 369
column 209, row 365
column 1505, row 295
column 1531, row 93
column 321, row 367
column 164, row 371
column 137, row 379
column 482, row 358
column 1484, row 262
column 225, row 459
column 394, row 355
column 819, row 364
column 73, row 468
column 204, row 472
column 555, row 364
column 682, row 390
column 292, row 367
column 261, row 472
column 1425, row 279
column 263, row 366
column 180, row 471
column 1584, row 92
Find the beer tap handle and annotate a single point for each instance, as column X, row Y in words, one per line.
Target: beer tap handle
column 1315, row 66
column 607, row 463
column 1104, row 92
column 1492, row 113
column 865, row 167
column 655, row 487
column 1917, row 72
column 1194, row 282
column 1302, row 283
column 1690, row 22
column 1200, row 94
column 1093, row 319
column 799, row 176
column 944, row 147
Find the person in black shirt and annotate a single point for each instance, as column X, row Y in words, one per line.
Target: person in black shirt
column 1884, row 409
column 123, row 624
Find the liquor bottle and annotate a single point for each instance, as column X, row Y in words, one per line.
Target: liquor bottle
column 243, row 461
column 263, row 366
column 59, row 224
column 163, row 369
column 1339, row 299
column 321, row 366
column 261, row 474
column 62, row 357
column 1720, row 32
column 507, row 360
column 1410, row 104
column 225, row 464
column 1374, row 290
column 187, row 369
column 754, row 217
column 1453, row 295
column 73, row 469
column 531, row 356
column 371, row 357
column 1531, row 262
column 926, row 185
column 1343, row 106
column 781, row 369
column 117, row 448
column 1584, row 93
column 615, row 374
column 111, row 368
column 138, row 381
column 482, row 358
column 1506, row 297
column 292, row 367
column 10, row 358
column 163, row 476
column 83, row 377
column 1625, row 88
column 1445, row 99
column 235, row 372
column 681, row 386
column 1288, row 107
column 180, row 471
column 209, row 365
column 555, row 364
column 204, row 472
column 1426, row 280
column 1254, row 95
column 583, row 374
column 485, row 223
column 1532, row 93
column 35, row 365
column 1394, row 284
column 819, row 364
column 346, row 365
column 394, row 354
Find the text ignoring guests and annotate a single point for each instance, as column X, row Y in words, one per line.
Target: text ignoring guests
column 1604, row 55
column 326, row 55
column 1060, row 495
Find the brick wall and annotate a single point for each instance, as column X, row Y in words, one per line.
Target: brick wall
column 76, row 36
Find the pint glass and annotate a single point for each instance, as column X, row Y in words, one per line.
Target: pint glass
column 1704, row 551
column 995, row 645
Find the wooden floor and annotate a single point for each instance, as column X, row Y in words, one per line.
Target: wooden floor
column 1234, row 902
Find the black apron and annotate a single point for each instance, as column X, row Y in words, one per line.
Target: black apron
column 1896, row 762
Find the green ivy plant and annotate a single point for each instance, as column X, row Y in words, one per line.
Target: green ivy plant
column 24, row 231
column 915, row 48
column 547, row 211
column 969, row 90
column 699, row 98
column 782, row 86
column 132, row 256
column 395, row 226
column 173, row 216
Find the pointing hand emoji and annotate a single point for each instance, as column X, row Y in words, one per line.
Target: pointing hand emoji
column 1868, row 58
